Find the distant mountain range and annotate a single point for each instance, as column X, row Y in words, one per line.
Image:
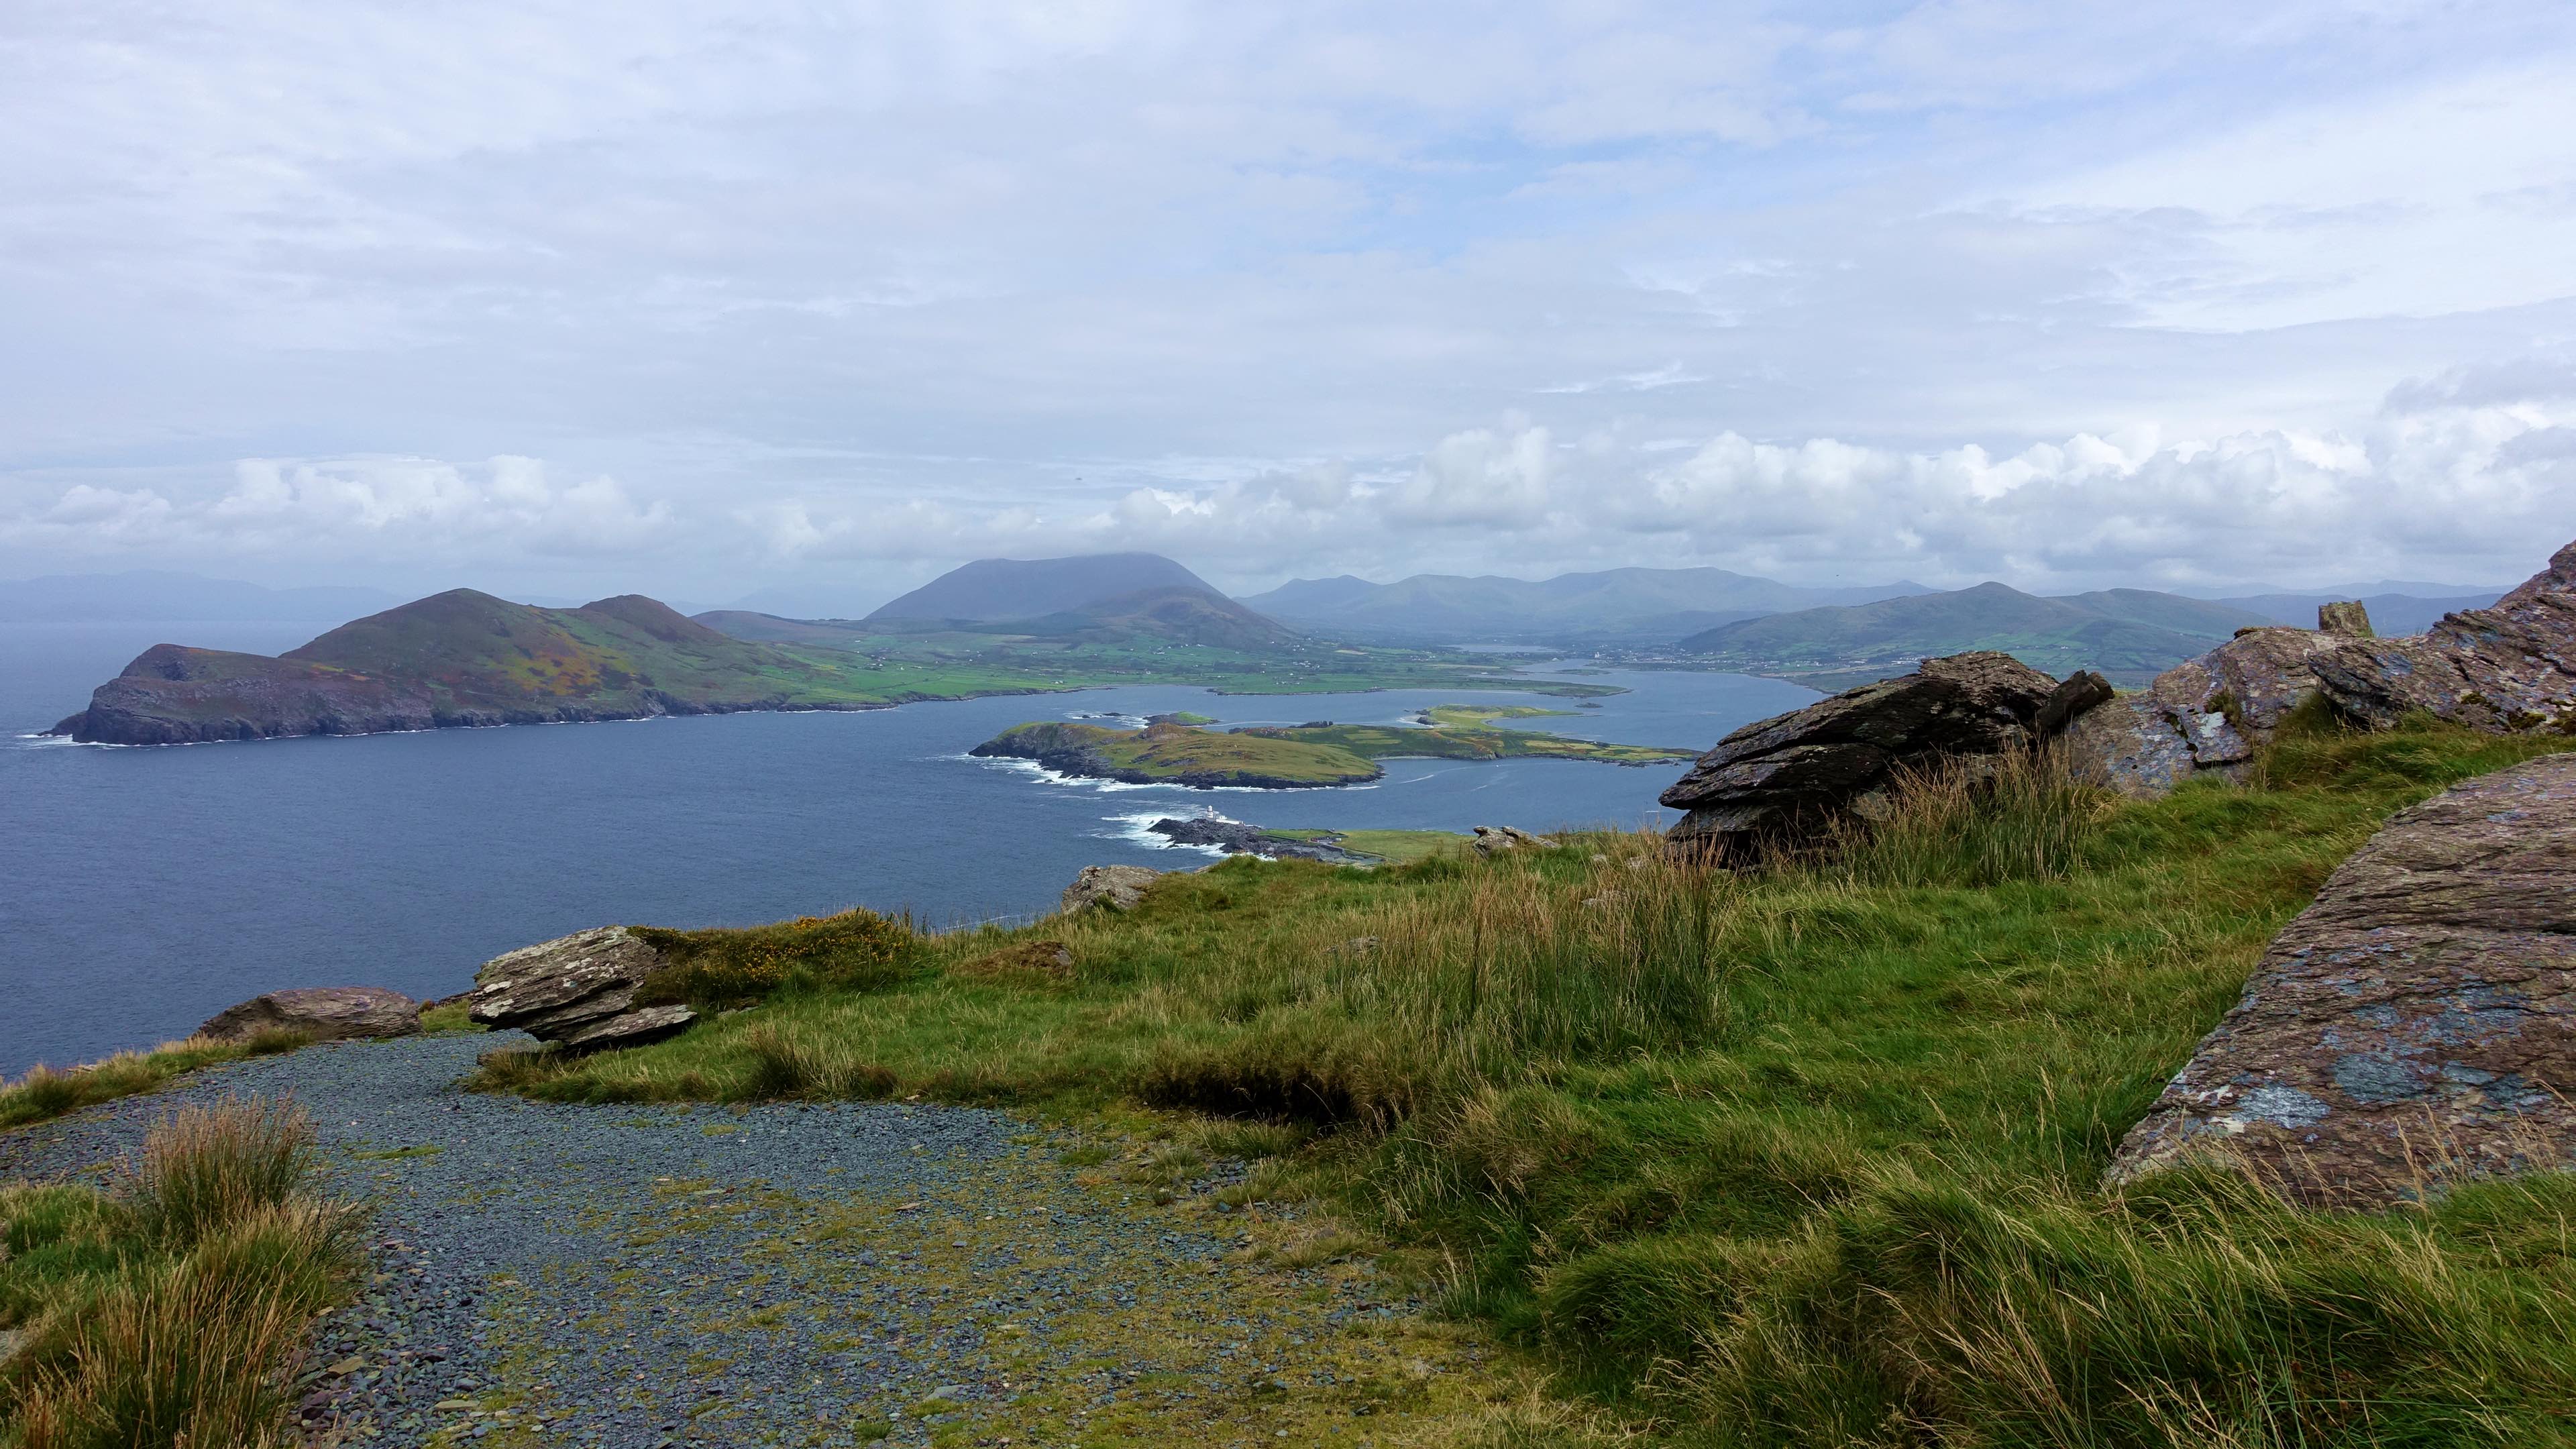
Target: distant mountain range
column 2126, row 633
column 2390, row 613
column 146, row 597
column 1176, row 614
column 1611, row 606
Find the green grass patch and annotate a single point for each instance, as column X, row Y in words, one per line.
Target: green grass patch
column 166, row 1310
column 449, row 1020
column 1803, row 1157
column 45, row 1092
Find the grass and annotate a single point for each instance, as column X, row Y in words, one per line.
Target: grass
column 1476, row 716
column 45, row 1092
column 1807, row 1157
column 1395, row 742
column 172, row 1308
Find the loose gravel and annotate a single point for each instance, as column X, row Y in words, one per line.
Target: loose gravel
column 819, row 1274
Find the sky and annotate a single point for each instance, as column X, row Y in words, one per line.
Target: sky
column 811, row 301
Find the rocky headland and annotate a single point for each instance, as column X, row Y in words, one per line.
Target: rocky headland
column 463, row 658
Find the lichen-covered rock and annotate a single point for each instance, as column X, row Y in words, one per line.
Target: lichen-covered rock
column 1491, row 839
column 2508, row 667
column 2417, row 1024
column 577, row 991
column 1119, row 887
column 2204, row 714
column 2345, row 616
column 325, row 1013
column 1798, row 771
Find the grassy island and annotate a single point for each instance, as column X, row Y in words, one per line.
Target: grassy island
column 1179, row 754
column 1807, row 1157
column 1287, row 756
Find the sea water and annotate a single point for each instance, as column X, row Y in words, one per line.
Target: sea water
column 142, row 889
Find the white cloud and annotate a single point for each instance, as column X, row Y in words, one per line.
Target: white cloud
column 360, row 508
column 1483, row 475
column 1968, row 286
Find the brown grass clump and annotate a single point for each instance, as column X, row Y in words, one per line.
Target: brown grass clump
column 855, row 950
column 1049, row 962
column 174, row 1310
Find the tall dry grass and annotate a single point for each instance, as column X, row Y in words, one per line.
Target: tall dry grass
column 186, row 1330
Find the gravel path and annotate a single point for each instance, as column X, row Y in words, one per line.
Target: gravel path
column 827, row 1274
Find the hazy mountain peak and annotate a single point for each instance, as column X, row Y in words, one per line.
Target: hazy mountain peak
column 991, row 590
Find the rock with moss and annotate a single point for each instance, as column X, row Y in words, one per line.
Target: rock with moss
column 2416, row 1025
column 324, row 1013
column 578, row 991
column 2206, row 714
column 1118, row 887
column 2506, row 668
column 1784, row 779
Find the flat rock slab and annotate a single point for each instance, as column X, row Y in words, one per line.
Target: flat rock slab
column 2417, row 1024
column 325, row 1013
column 632, row 1276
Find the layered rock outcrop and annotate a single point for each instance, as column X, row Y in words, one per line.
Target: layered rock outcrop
column 324, row 1013
column 2206, row 714
column 1795, row 773
column 1119, row 887
column 2417, row 1024
column 2508, row 667
column 576, row 991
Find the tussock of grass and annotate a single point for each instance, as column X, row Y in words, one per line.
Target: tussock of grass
column 1802, row 1157
column 855, row 950
column 171, row 1310
column 45, row 1092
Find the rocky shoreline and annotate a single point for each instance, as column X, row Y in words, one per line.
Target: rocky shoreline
column 1235, row 838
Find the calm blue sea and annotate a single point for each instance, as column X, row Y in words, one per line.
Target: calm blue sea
column 144, row 889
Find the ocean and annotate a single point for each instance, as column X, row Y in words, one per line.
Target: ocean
column 144, row 889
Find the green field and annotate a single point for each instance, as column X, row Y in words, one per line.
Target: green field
column 1808, row 1157
column 1180, row 754
column 1479, row 716
column 1398, row 742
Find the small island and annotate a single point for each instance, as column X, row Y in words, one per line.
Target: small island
column 1177, row 754
column 1317, row 754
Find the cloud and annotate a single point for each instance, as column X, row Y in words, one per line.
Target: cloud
column 360, row 508
column 1951, row 287
column 1483, row 475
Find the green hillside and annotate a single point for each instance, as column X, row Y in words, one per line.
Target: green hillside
column 1631, row 604
column 2129, row 634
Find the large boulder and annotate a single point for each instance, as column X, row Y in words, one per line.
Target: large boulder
column 577, row 991
column 2508, row 667
column 2204, row 714
column 325, row 1013
column 1795, row 773
column 2417, row 1024
column 1119, row 887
